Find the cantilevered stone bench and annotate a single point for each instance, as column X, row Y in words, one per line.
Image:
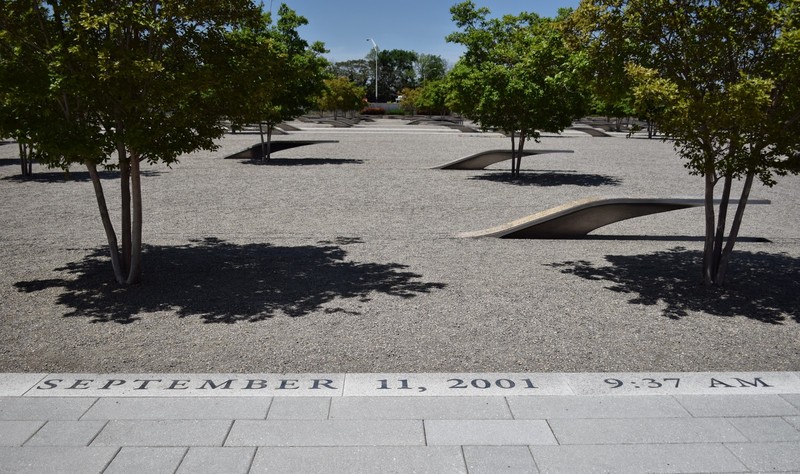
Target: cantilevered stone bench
column 481, row 160
column 589, row 130
column 578, row 218
column 254, row 152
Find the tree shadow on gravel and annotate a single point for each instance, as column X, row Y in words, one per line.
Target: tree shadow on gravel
column 76, row 176
column 549, row 178
column 223, row 282
column 762, row 286
column 304, row 161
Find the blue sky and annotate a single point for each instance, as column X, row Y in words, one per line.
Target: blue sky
column 414, row 25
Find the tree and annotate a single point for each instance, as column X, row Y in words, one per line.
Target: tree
column 341, row 94
column 358, row 71
column 279, row 75
column 21, row 106
column 433, row 97
column 136, row 79
column 410, row 99
column 429, row 67
column 651, row 96
column 395, row 72
column 428, row 99
column 517, row 75
column 605, row 74
column 731, row 70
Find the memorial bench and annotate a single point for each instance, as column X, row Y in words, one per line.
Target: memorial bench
column 578, row 218
column 481, row 160
column 254, row 152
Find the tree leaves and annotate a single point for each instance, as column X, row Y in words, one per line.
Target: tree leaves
column 517, row 73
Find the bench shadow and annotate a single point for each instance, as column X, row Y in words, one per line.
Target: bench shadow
column 9, row 161
column 761, row 286
column 667, row 238
column 222, row 282
column 548, row 178
column 76, row 176
column 304, row 161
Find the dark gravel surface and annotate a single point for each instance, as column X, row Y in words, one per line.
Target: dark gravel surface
column 343, row 258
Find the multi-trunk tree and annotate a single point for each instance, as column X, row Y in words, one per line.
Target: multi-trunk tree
column 341, row 94
column 278, row 75
column 517, row 75
column 724, row 76
column 120, row 83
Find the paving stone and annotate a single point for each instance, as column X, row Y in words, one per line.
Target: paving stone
column 12, row 385
column 645, row 430
column 794, row 421
column 138, row 460
column 326, row 433
column 487, row 432
column 736, row 405
column 539, row 408
column 341, row 460
column 14, row 433
column 299, row 408
column 636, row 458
column 767, row 429
column 427, row 408
column 19, row 408
column 499, row 459
column 53, row 460
column 764, row 457
column 179, row 408
column 792, row 398
column 163, row 433
column 67, row 433
column 217, row 461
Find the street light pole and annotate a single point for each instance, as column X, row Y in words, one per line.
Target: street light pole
column 375, row 45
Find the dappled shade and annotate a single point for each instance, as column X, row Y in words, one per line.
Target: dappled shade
column 60, row 176
column 764, row 286
column 550, row 178
column 225, row 282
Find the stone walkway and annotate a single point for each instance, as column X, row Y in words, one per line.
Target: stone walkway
column 461, row 423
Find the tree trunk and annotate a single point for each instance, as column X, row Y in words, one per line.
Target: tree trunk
column 125, row 201
column 521, row 144
column 708, row 247
column 513, row 151
column 270, row 126
column 23, row 158
column 135, row 271
column 722, row 218
column 108, row 227
column 737, row 222
column 263, row 148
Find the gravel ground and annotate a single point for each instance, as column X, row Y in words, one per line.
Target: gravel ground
column 344, row 258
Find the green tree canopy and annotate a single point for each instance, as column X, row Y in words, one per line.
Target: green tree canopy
column 136, row 80
column 341, row 94
column 429, row 67
column 278, row 75
column 725, row 78
column 517, row 74
column 395, row 72
column 358, row 71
